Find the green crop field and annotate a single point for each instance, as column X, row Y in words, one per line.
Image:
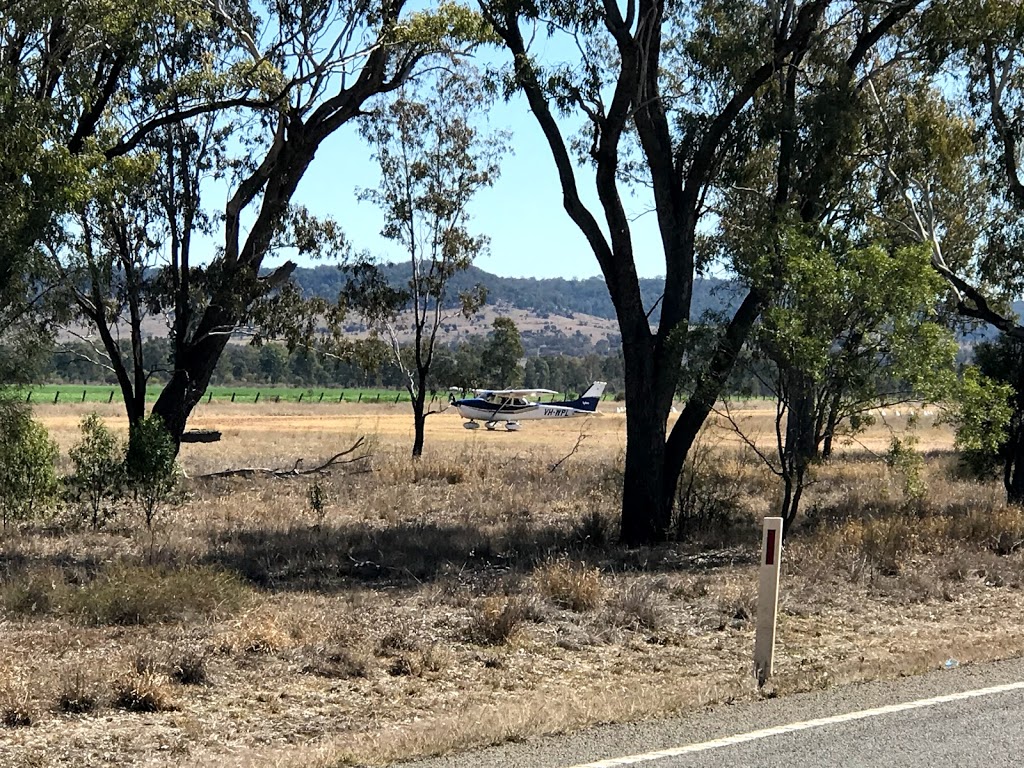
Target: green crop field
column 105, row 393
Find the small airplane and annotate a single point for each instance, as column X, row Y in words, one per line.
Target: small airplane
column 493, row 406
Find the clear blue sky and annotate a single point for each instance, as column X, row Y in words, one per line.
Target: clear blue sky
column 531, row 235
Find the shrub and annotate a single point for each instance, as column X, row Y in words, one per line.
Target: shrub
column 190, row 669
column 340, row 664
column 708, row 497
column 635, row 607
column 98, row 461
column 145, row 595
column 143, row 692
column 34, row 592
column 28, row 480
column 499, row 620
column 570, row 585
column 77, row 695
column 150, row 469
column 16, row 716
column 317, row 498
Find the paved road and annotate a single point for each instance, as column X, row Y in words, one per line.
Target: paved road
column 912, row 731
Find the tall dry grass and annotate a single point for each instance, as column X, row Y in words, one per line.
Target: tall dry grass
column 477, row 578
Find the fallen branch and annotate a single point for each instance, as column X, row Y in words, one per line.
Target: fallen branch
column 295, row 470
column 579, row 441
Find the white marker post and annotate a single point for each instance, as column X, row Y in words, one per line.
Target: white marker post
column 767, row 598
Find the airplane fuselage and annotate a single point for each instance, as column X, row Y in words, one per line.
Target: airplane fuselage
column 484, row 410
column 512, row 406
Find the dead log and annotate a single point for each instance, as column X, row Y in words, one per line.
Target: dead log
column 296, row 470
column 201, row 436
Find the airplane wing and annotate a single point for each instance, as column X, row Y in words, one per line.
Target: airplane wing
column 515, row 392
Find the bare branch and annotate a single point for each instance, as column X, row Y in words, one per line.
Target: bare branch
column 295, row 471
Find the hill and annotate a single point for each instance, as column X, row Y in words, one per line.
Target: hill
column 541, row 297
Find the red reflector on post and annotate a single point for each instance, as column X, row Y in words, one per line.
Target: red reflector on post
column 769, row 556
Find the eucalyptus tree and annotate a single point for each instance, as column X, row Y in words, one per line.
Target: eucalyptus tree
column 855, row 329
column 434, row 156
column 65, row 67
column 948, row 157
column 257, row 91
column 674, row 97
column 502, row 353
column 60, row 64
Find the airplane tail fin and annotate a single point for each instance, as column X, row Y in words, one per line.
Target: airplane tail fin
column 588, row 400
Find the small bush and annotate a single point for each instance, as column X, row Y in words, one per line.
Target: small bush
column 397, row 641
column 592, row 530
column 635, row 607
column 78, row 695
column 190, row 669
column 316, row 496
column 32, row 593
column 500, row 619
column 150, row 469
column 28, row 478
column 341, row 664
column 98, row 479
column 17, row 716
column 143, row 692
column 570, row 585
column 144, row 595
column 708, row 504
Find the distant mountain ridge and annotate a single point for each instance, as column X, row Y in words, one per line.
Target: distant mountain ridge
column 554, row 296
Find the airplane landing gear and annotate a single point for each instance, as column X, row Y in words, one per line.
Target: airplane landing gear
column 491, row 425
column 471, row 425
column 512, row 426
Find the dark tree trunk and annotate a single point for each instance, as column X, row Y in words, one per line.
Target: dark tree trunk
column 419, row 422
column 1013, row 466
column 646, row 509
column 194, row 363
column 831, row 424
column 799, row 449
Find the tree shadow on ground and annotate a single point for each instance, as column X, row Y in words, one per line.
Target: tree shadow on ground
column 413, row 553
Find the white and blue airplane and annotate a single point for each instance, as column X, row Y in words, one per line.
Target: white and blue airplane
column 493, row 406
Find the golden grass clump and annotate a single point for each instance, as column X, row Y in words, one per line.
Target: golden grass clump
column 570, row 584
column 143, row 691
column 635, row 606
column 498, row 620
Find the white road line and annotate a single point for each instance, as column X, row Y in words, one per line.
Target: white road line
column 803, row 725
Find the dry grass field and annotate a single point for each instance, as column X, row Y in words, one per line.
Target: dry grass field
column 474, row 596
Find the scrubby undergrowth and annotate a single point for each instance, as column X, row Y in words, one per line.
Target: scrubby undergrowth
column 483, row 583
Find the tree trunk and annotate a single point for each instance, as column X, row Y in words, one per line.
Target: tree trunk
column 193, row 367
column 831, row 425
column 646, row 506
column 800, row 444
column 419, row 421
column 1013, row 467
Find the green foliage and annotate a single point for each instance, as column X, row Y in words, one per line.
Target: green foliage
column 904, row 459
column 28, row 478
column 150, row 468
column 984, row 410
column 450, row 25
column 860, row 323
column 501, row 355
column 97, row 481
